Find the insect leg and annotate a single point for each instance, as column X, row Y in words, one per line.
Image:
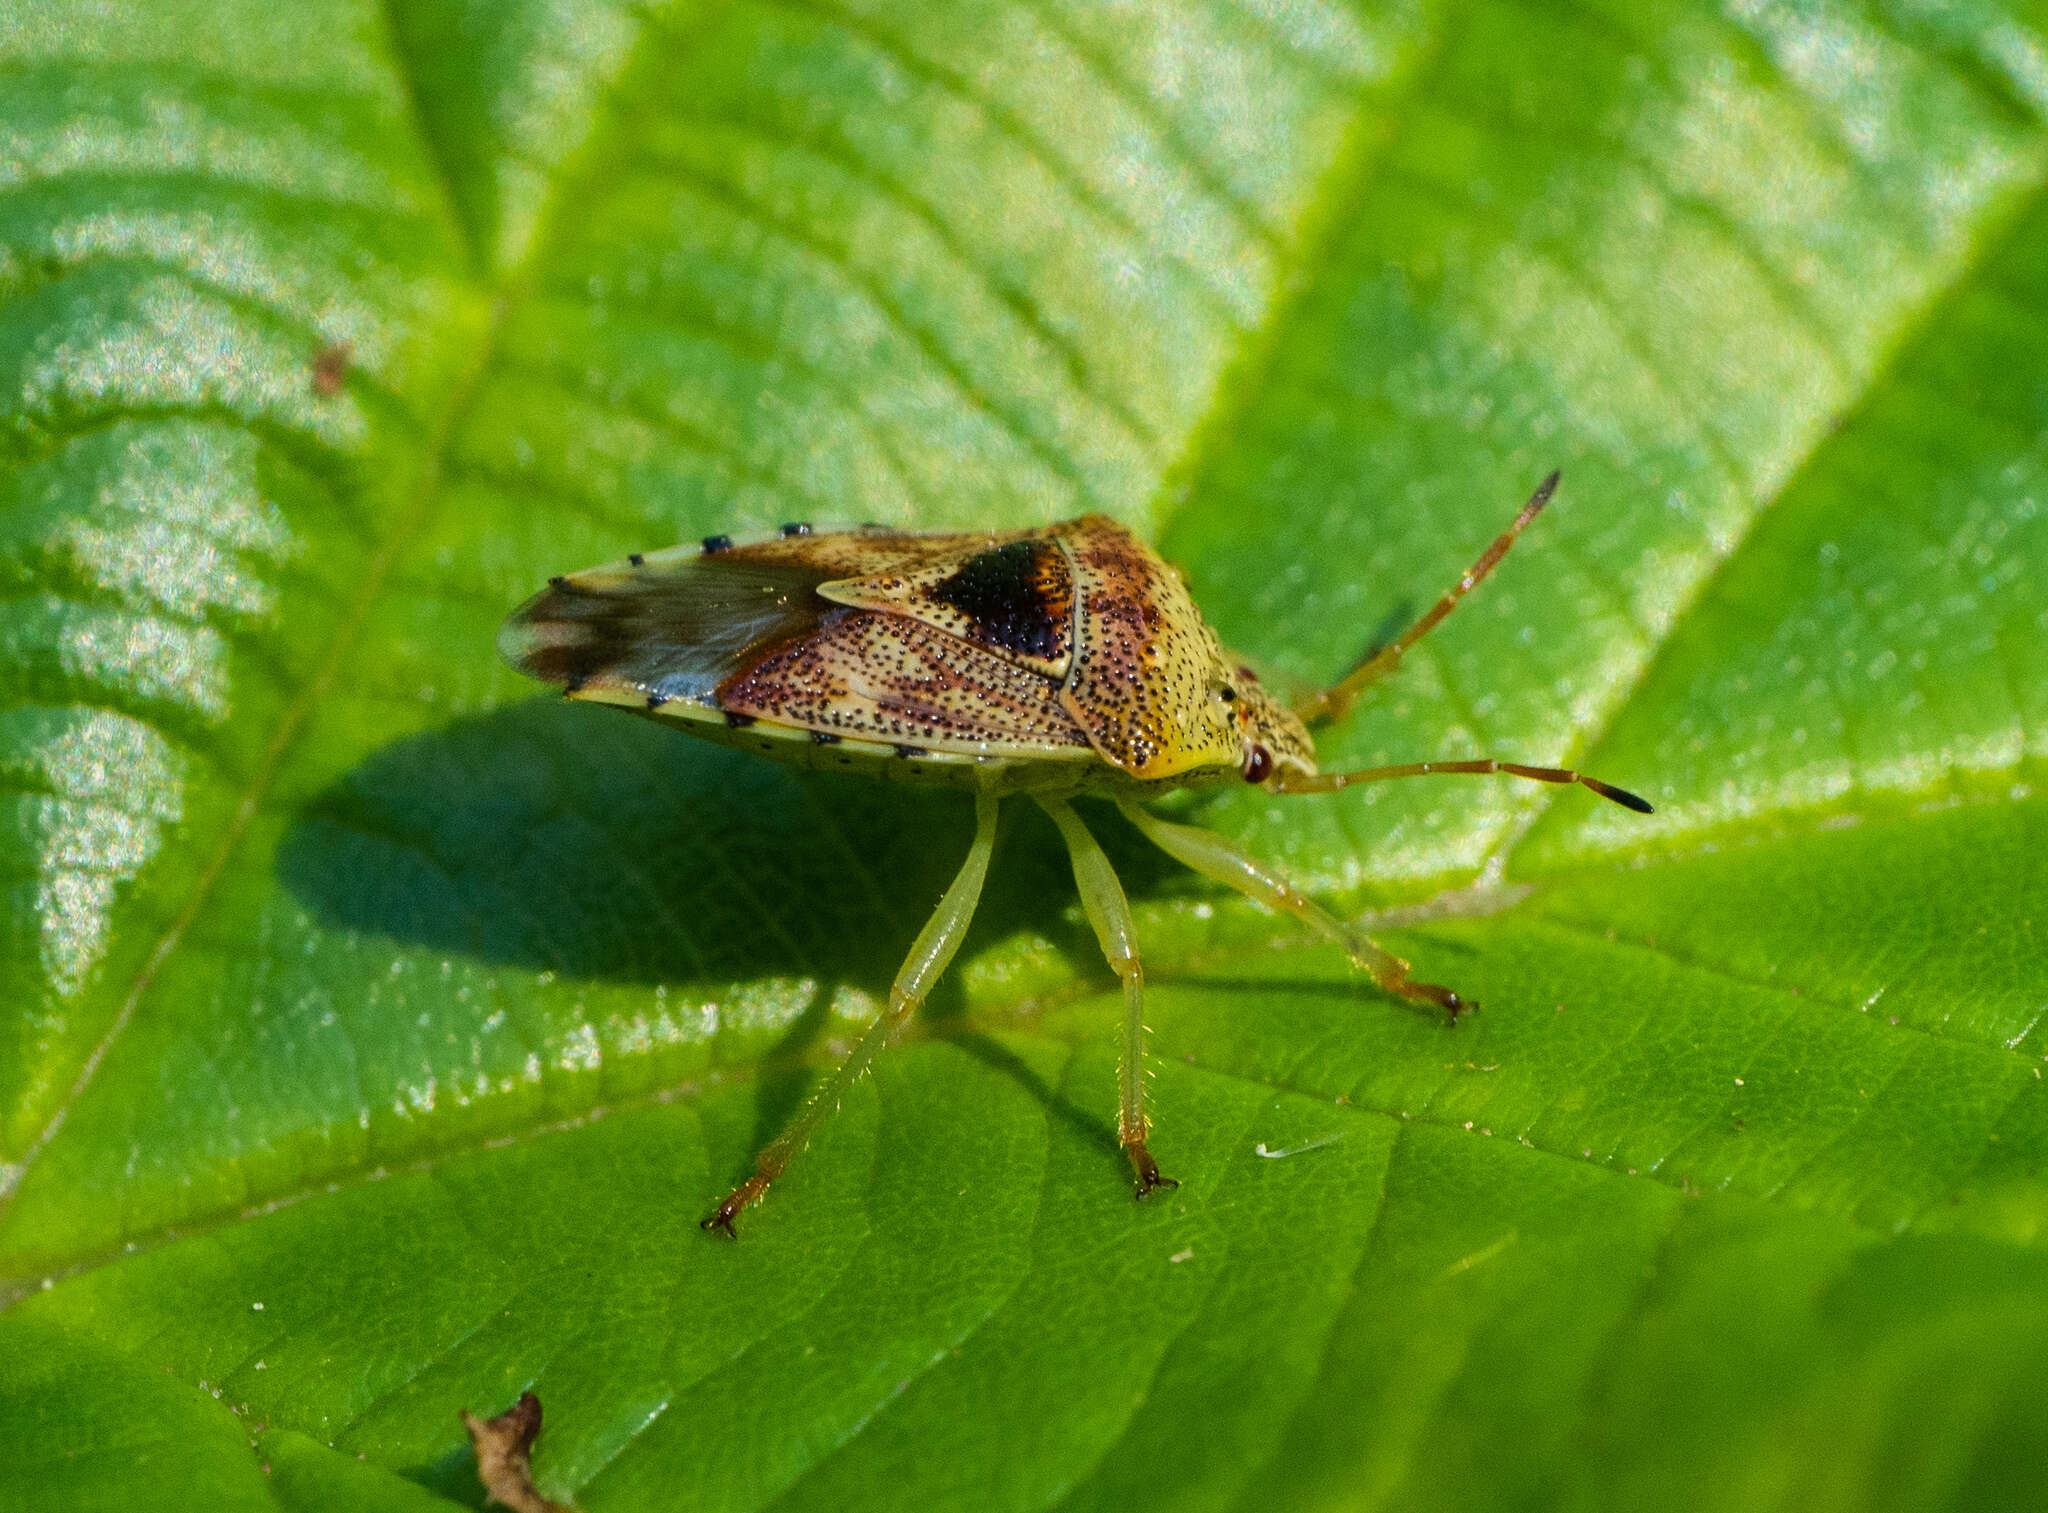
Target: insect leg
column 1332, row 702
column 1102, row 896
column 1217, row 859
column 928, row 959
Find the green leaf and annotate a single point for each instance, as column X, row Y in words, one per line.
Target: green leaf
column 376, row 1032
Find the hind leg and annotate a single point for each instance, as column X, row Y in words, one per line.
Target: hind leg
column 1219, row 860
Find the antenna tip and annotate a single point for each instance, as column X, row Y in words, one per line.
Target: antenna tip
column 1620, row 796
column 1538, row 499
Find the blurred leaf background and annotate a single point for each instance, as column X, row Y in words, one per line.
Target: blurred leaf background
column 375, row 1032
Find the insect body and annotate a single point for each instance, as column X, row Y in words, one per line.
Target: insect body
column 1053, row 662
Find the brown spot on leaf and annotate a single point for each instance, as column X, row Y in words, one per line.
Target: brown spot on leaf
column 330, row 368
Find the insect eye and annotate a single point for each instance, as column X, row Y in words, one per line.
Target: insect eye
column 1258, row 765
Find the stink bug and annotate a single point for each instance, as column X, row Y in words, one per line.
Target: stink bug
column 1052, row 662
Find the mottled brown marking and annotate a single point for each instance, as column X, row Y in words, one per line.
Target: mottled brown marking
column 894, row 679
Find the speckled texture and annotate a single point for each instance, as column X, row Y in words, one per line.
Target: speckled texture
column 1148, row 679
column 893, row 678
column 855, row 553
column 1013, row 597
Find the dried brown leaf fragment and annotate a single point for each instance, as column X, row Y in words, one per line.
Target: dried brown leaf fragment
column 504, row 1449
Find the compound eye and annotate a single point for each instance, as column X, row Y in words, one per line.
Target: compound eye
column 1258, row 765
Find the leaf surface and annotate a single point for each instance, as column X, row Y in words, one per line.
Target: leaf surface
column 377, row 1032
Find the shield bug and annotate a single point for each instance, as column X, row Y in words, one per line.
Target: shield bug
column 1054, row 662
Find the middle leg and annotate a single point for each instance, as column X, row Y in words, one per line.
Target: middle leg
column 1102, row 897
column 1219, row 860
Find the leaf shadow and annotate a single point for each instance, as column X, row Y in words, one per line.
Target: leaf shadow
column 1088, row 1123
column 553, row 837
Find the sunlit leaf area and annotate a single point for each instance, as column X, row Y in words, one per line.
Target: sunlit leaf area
column 377, row 1028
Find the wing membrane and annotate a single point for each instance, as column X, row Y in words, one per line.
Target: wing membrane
column 672, row 630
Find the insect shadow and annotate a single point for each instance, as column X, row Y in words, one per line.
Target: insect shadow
column 560, row 839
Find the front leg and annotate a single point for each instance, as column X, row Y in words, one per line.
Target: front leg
column 1219, row 860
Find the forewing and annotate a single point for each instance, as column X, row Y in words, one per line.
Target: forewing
column 888, row 677
column 1147, row 670
column 677, row 623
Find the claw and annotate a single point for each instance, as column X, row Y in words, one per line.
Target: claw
column 721, row 1221
column 721, row 1218
column 1149, row 1175
column 1442, row 997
